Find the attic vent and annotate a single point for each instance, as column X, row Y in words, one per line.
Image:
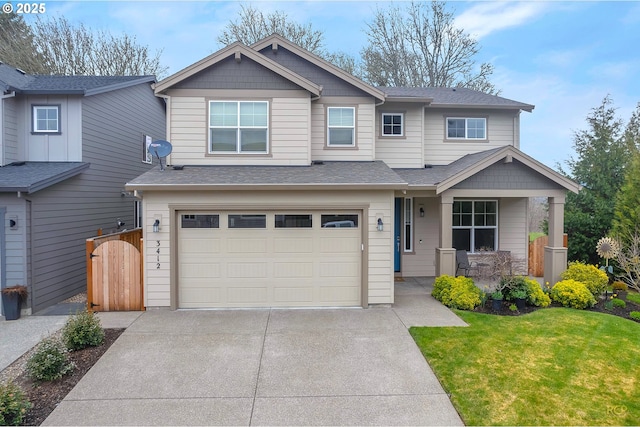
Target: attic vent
column 317, row 162
column 21, row 71
column 428, row 166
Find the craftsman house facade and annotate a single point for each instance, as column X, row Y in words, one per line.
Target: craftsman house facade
column 68, row 144
column 291, row 183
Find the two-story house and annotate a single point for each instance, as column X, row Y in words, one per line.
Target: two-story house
column 295, row 184
column 68, row 144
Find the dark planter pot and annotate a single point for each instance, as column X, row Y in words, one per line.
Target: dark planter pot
column 11, row 305
column 496, row 304
column 521, row 303
column 621, row 294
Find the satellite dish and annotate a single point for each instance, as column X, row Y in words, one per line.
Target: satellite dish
column 160, row 149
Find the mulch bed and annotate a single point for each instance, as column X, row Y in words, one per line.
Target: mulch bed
column 599, row 307
column 45, row 396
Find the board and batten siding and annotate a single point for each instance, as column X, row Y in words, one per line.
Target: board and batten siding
column 365, row 131
column 502, row 129
column 63, row 147
column 405, row 151
column 289, row 138
column 66, row 214
column 9, row 132
column 513, row 231
column 157, row 271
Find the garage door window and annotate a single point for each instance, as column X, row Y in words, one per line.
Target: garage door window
column 294, row 221
column 339, row 221
column 247, row 221
column 200, row 221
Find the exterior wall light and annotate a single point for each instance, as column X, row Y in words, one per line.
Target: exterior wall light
column 421, row 212
column 156, row 226
column 380, row 224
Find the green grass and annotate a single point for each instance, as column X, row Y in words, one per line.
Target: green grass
column 551, row 367
column 633, row 296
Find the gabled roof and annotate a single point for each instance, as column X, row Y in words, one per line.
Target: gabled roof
column 328, row 175
column 276, row 39
column 29, row 177
column 443, row 177
column 239, row 50
column 454, row 98
column 13, row 79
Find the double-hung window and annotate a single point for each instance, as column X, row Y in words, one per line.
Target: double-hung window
column 341, row 127
column 475, row 225
column 46, row 118
column 392, row 124
column 466, row 128
column 238, row 127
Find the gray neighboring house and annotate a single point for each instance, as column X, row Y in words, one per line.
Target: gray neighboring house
column 68, row 144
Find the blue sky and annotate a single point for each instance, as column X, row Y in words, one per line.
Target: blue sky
column 563, row 57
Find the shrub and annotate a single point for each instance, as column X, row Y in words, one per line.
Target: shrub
column 571, row 293
column 457, row 292
column 513, row 286
column 617, row 302
column 595, row 279
column 536, row 296
column 49, row 361
column 13, row 405
column 635, row 315
column 619, row 286
column 83, row 330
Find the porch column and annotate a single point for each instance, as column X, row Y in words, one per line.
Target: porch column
column 555, row 254
column 445, row 253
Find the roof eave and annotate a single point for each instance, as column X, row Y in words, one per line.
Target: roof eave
column 412, row 99
column 36, row 186
column 523, row 107
column 247, row 187
column 121, row 85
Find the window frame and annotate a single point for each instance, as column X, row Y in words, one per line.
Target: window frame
column 466, row 128
column 329, row 127
column 382, row 125
column 473, row 227
column 408, row 224
column 34, row 120
column 238, row 127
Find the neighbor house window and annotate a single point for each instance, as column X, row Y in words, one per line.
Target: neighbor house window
column 466, row 128
column 238, row 127
column 46, row 119
column 475, row 225
column 341, row 126
column 408, row 224
column 201, row 221
column 247, row 221
column 392, row 124
column 294, row 221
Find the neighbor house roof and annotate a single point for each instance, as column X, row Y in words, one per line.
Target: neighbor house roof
column 13, row 79
column 454, row 97
column 29, row 177
column 319, row 175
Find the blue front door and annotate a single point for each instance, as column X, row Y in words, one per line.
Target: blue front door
column 397, row 227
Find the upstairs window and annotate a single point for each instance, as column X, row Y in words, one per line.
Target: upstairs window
column 341, row 127
column 466, row 128
column 238, row 127
column 392, row 124
column 46, row 119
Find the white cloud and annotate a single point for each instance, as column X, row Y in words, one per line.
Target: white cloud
column 485, row 18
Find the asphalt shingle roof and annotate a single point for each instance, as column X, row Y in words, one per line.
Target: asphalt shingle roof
column 454, row 97
column 13, row 79
column 29, row 177
column 335, row 174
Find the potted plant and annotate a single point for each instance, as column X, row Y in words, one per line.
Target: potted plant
column 496, row 300
column 620, row 288
column 12, row 298
column 520, row 296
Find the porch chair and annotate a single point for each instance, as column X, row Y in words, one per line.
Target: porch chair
column 462, row 262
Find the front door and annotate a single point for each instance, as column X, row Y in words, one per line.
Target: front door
column 397, row 227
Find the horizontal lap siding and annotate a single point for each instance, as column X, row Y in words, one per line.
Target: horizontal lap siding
column 500, row 127
column 16, row 240
column 513, row 230
column 66, row 214
column 405, row 152
column 289, row 133
column 156, row 205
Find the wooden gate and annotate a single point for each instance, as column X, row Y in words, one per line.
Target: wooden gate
column 536, row 254
column 114, row 273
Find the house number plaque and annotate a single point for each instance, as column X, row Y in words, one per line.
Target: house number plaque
column 157, row 254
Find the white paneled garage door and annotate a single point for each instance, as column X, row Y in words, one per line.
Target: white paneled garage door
column 271, row 259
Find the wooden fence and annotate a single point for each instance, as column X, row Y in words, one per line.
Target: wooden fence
column 536, row 254
column 115, row 297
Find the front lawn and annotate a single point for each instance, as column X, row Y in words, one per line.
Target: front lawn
column 555, row 366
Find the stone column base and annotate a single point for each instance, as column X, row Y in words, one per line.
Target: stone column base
column 446, row 261
column 555, row 262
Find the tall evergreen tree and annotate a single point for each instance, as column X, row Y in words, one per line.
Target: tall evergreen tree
column 17, row 46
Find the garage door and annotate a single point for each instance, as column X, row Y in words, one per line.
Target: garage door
column 271, row 259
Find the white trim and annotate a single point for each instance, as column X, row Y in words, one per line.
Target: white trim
column 382, row 125
column 408, row 222
column 352, row 127
column 466, row 128
column 238, row 127
column 35, row 108
column 473, row 227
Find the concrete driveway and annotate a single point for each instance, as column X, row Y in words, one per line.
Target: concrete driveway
column 261, row 367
